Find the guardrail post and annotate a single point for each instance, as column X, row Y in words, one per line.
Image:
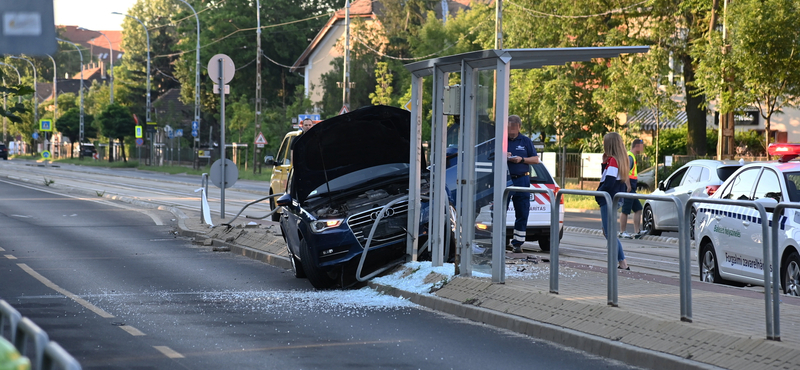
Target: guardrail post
column 776, row 272
column 54, row 354
column 555, row 223
column 611, row 238
column 10, row 315
column 28, row 328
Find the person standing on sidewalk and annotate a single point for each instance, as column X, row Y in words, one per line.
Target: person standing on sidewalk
column 634, row 205
column 612, row 182
column 521, row 154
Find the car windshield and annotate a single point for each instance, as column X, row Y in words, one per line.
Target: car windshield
column 726, row 171
column 792, row 184
column 359, row 177
column 540, row 175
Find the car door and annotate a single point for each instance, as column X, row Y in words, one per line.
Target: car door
column 735, row 226
column 283, row 164
column 768, row 186
column 665, row 213
column 683, row 192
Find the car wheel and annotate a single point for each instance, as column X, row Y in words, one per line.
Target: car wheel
column 709, row 268
column 318, row 278
column 791, row 274
column 275, row 216
column 649, row 222
column 544, row 243
column 297, row 266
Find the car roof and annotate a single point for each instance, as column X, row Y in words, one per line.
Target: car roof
column 711, row 162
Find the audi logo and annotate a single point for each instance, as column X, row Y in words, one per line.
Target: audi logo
column 374, row 215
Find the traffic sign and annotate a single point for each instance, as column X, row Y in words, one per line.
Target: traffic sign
column 313, row 117
column 195, row 125
column 260, row 140
column 35, row 135
column 227, row 89
column 151, row 126
column 231, row 173
column 46, row 154
column 194, row 133
column 407, row 106
column 45, row 125
column 343, row 110
column 228, row 68
column 139, row 141
column 179, row 132
column 139, row 132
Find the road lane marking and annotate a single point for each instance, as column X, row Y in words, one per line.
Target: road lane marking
column 2, row 250
column 132, row 331
column 169, row 352
column 11, row 257
column 65, row 292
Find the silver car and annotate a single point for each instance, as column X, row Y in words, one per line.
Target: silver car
column 701, row 177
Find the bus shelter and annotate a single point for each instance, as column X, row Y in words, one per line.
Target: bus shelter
column 477, row 110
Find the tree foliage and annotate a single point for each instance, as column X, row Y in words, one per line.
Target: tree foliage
column 116, row 122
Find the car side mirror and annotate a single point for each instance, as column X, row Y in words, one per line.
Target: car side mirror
column 269, row 160
column 661, row 186
column 284, row 200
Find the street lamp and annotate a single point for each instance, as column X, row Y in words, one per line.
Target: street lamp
column 197, row 86
column 110, row 58
column 80, row 135
column 19, row 82
column 55, row 97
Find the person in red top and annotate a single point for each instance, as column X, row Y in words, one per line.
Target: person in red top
column 613, row 181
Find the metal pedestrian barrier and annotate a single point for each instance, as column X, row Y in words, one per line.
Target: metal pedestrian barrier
column 271, row 212
column 46, row 354
column 684, row 247
column 498, row 250
column 770, row 300
column 776, row 282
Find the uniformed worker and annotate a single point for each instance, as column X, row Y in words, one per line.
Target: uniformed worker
column 521, row 154
column 632, row 205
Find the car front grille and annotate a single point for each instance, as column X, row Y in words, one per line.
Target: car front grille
column 391, row 228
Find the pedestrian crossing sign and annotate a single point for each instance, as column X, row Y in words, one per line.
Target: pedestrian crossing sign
column 45, row 125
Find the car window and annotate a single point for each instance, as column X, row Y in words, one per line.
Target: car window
column 792, row 184
column 540, row 175
column 693, row 175
column 741, row 186
column 281, row 155
column 768, row 186
column 676, row 178
column 704, row 176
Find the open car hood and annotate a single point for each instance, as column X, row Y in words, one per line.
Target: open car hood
column 361, row 139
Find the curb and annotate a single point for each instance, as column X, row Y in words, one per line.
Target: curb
column 595, row 345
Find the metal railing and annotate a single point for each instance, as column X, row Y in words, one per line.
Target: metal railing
column 271, row 212
column 769, row 298
column 498, row 250
column 776, row 283
column 48, row 354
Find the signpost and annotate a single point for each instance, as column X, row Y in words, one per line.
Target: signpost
column 313, row 117
column 28, row 27
column 139, row 142
column 407, row 106
column 343, row 110
column 260, row 140
column 139, row 132
column 221, row 70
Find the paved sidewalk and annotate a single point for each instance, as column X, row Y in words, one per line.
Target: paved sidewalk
column 728, row 329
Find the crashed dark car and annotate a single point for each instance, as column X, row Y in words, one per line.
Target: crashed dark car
column 344, row 172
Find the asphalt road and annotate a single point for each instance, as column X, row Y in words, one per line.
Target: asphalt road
column 118, row 290
column 591, row 220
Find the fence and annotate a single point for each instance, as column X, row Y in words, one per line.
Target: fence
column 22, row 331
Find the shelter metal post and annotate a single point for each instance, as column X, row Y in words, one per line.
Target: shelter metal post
column 466, row 165
column 414, row 171
column 436, row 214
column 501, row 167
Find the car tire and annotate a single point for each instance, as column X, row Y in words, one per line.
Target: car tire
column 649, row 222
column 709, row 266
column 544, row 243
column 319, row 279
column 275, row 216
column 297, row 266
column 790, row 274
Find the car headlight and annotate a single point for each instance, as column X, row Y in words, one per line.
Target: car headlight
column 322, row 225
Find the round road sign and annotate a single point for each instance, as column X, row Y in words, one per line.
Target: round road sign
column 139, row 142
column 228, row 68
column 231, row 173
column 46, row 154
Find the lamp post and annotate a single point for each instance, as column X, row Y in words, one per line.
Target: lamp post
column 19, row 81
column 55, row 97
column 110, row 58
column 346, row 84
column 256, row 150
column 197, row 86
column 80, row 135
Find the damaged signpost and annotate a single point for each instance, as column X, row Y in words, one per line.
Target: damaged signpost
column 223, row 172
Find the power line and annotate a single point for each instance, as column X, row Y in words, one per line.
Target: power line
column 543, row 14
column 471, row 30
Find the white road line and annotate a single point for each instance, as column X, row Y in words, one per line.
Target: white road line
column 2, row 250
column 65, row 292
column 11, row 257
column 132, row 331
column 169, row 352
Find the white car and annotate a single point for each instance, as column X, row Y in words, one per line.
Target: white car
column 700, row 177
column 729, row 238
column 538, row 227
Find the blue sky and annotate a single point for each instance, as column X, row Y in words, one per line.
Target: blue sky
column 92, row 14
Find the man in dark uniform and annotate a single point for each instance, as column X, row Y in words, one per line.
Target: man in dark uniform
column 521, row 154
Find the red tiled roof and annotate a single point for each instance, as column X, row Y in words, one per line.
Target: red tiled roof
column 88, row 73
column 357, row 7
column 114, row 36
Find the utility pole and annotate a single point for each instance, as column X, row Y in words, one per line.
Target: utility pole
column 346, row 84
column 257, row 151
column 725, row 144
column 55, row 99
column 498, row 25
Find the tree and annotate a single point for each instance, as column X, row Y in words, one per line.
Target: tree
column 763, row 57
column 383, row 89
column 69, row 126
column 115, row 122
